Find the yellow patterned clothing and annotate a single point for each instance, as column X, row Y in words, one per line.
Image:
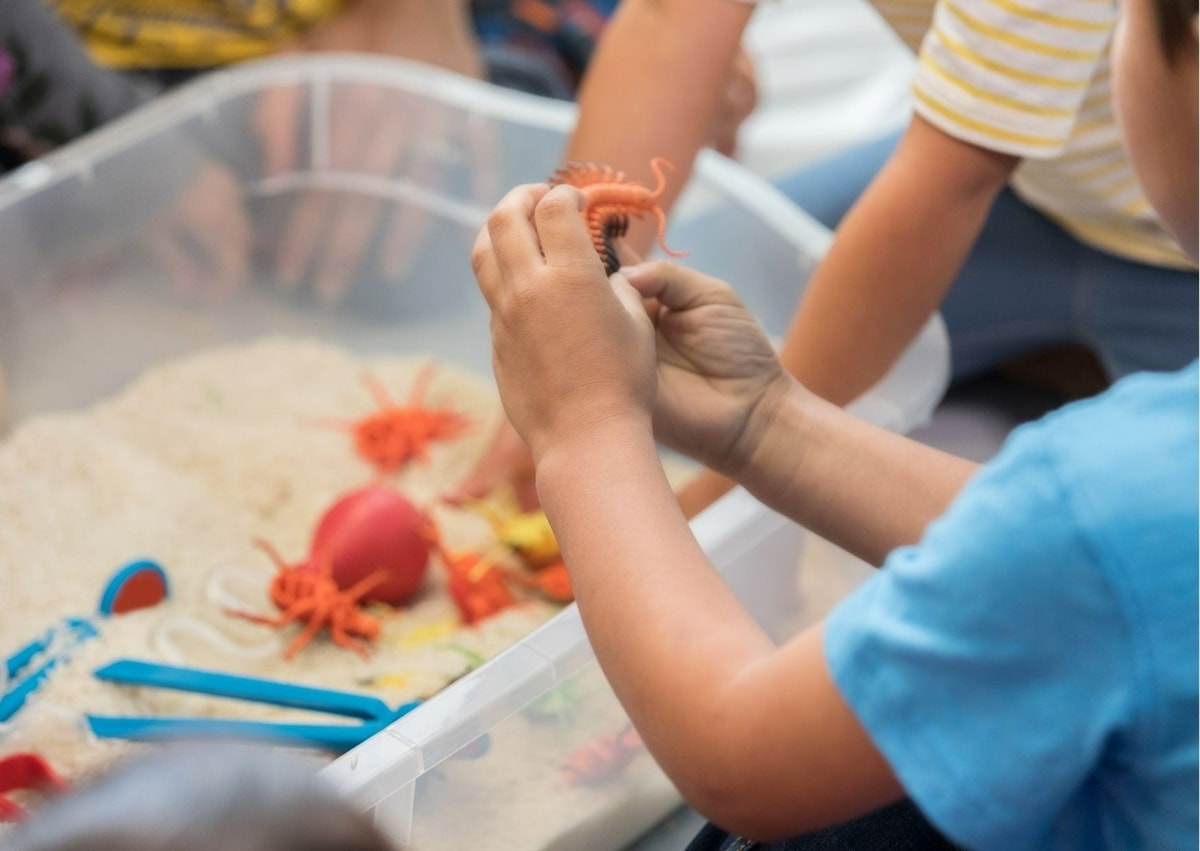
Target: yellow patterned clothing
column 1031, row 78
column 167, row 34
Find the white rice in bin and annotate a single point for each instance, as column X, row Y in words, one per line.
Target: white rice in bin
column 188, row 465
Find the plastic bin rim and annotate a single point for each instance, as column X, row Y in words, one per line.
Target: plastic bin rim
column 206, row 91
column 203, row 94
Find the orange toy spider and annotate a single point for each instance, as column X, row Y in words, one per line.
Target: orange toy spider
column 528, row 534
column 312, row 596
column 474, row 581
column 611, row 199
column 395, row 434
column 476, row 586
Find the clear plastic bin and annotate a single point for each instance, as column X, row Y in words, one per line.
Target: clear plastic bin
column 400, row 164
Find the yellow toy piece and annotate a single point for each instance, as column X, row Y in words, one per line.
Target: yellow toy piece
column 526, row 533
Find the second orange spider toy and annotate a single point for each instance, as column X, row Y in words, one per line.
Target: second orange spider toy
column 611, row 200
column 396, row 433
column 312, row 597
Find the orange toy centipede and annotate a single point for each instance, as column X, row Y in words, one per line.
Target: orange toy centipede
column 611, row 199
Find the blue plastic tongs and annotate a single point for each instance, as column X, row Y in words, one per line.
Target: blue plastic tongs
column 375, row 714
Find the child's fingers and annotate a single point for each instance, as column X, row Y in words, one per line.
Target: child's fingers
column 650, row 306
column 631, row 300
column 487, row 270
column 510, row 227
column 677, row 287
column 560, row 227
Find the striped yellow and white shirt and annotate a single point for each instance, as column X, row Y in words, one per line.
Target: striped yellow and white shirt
column 1031, row 78
column 188, row 33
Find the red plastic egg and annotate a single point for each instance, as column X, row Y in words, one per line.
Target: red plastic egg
column 372, row 529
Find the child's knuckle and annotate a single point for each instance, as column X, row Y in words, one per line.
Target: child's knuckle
column 479, row 259
column 499, row 223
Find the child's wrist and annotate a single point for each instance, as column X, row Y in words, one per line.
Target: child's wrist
column 782, row 412
column 584, row 451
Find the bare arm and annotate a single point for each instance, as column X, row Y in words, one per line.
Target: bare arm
column 653, row 87
column 861, row 487
column 781, row 752
column 892, row 262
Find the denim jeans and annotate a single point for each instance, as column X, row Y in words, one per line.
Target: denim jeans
column 1029, row 285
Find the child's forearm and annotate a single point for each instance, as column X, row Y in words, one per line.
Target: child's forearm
column 652, row 89
column 627, row 544
column 667, row 631
column 756, row 737
column 894, row 258
column 865, row 489
column 862, row 487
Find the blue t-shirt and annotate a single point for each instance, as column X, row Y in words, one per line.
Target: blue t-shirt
column 1029, row 670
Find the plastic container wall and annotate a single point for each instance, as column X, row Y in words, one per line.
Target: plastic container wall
column 357, row 210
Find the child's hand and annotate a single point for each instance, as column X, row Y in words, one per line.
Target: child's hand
column 204, row 241
column 573, row 351
column 718, row 375
column 505, row 462
column 334, row 241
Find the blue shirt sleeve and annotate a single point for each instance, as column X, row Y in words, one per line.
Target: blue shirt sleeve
column 1030, row 669
column 991, row 663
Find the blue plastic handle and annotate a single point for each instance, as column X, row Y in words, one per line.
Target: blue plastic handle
column 331, row 737
column 181, row 678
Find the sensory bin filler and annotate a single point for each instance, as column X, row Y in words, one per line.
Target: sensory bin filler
column 251, row 478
